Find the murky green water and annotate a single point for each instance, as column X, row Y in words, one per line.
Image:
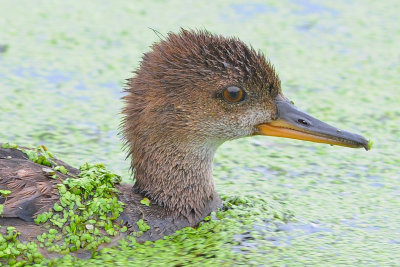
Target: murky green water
column 63, row 64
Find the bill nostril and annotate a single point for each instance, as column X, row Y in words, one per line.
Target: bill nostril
column 303, row 122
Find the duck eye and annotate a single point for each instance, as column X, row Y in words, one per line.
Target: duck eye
column 233, row 94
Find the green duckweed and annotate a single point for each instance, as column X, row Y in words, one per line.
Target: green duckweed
column 143, row 226
column 86, row 213
column 370, row 143
column 40, row 155
column 5, row 193
column 145, row 201
column 84, row 217
column 15, row 253
column 9, row 145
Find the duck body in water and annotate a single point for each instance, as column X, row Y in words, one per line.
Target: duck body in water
column 192, row 92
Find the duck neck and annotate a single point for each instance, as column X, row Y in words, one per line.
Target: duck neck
column 177, row 177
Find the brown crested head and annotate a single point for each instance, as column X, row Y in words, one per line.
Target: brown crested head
column 200, row 88
column 193, row 91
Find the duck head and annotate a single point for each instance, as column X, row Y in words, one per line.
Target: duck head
column 192, row 92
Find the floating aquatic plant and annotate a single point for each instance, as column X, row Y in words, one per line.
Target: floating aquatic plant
column 143, row 226
column 5, row 193
column 86, row 213
column 145, row 201
column 370, row 143
column 84, row 217
column 16, row 253
column 40, row 155
column 9, row 145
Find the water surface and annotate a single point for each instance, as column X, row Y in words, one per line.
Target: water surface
column 62, row 70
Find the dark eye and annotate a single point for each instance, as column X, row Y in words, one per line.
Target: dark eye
column 233, row 94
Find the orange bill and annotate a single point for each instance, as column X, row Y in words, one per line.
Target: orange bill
column 295, row 124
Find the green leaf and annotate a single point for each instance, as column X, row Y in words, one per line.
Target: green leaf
column 61, row 169
column 57, row 207
column 143, row 226
column 53, row 231
column 5, row 193
column 145, row 201
column 9, row 145
column 46, row 162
